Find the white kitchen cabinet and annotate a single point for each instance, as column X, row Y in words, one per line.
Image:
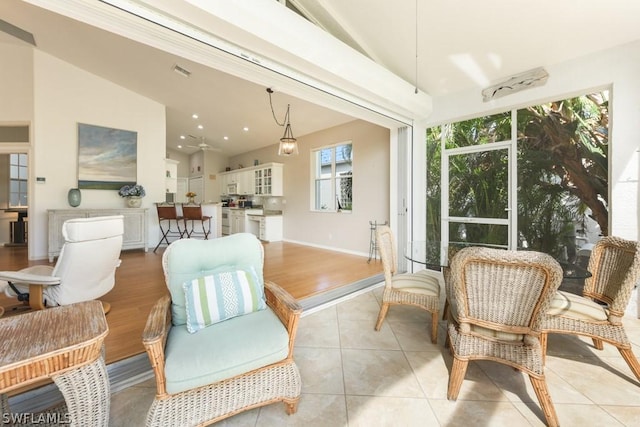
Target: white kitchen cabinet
column 269, row 180
column 237, row 220
column 171, row 175
column 135, row 226
column 271, row 229
column 262, row 180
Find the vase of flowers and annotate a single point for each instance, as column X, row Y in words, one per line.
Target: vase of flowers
column 133, row 194
column 191, row 197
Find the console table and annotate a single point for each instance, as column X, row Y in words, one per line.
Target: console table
column 135, row 226
column 65, row 344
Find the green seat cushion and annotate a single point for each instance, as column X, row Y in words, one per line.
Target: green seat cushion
column 223, row 350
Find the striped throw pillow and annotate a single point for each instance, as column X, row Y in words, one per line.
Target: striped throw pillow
column 221, row 296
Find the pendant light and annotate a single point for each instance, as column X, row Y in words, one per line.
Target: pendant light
column 288, row 144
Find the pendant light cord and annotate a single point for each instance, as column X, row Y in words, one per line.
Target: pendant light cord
column 286, row 116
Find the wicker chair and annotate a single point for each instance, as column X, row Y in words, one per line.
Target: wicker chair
column 615, row 269
column 418, row 289
column 207, row 376
column 498, row 298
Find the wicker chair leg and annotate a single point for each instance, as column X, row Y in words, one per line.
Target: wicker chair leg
column 598, row 344
column 540, row 387
column 543, row 346
column 632, row 361
column 291, row 405
column 381, row 315
column 445, row 310
column 434, row 327
column 458, row 370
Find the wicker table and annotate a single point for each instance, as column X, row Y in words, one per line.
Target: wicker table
column 64, row 344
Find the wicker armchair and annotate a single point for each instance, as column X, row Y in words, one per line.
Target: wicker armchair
column 419, row 289
column 270, row 376
column 497, row 301
column 615, row 269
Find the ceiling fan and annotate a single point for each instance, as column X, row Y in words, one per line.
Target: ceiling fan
column 202, row 145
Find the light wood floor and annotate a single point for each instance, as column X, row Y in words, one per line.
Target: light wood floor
column 302, row 270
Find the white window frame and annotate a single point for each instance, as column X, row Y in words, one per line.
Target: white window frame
column 314, row 178
column 25, row 169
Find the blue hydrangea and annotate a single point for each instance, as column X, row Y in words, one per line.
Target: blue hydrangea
column 132, row 190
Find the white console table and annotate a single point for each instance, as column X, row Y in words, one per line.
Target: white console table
column 135, row 226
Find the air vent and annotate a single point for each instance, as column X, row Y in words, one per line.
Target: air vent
column 182, row 71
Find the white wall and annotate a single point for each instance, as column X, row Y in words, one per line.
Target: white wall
column 618, row 69
column 347, row 232
column 64, row 96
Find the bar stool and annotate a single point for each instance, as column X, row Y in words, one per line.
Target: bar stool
column 373, row 243
column 168, row 212
column 193, row 212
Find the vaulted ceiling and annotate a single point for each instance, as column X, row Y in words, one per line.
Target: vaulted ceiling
column 442, row 47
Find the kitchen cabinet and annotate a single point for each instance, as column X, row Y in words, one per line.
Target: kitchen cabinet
column 271, row 228
column 262, row 180
column 237, row 220
column 135, row 226
column 171, row 175
column 269, row 180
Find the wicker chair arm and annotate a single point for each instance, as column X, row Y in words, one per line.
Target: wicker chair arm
column 154, row 339
column 285, row 307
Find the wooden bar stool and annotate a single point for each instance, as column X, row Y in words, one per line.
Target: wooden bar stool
column 192, row 212
column 167, row 212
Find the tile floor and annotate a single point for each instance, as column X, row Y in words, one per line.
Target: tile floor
column 353, row 376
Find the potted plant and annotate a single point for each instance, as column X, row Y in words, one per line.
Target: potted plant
column 191, row 196
column 133, row 194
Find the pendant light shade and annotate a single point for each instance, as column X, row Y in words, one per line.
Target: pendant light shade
column 288, row 144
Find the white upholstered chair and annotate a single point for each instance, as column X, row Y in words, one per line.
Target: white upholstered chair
column 84, row 270
column 418, row 289
column 214, row 357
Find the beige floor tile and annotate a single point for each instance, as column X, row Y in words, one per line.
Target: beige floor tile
column 362, row 307
column 432, row 370
column 416, row 336
column 314, row 410
column 379, row 373
column 626, row 415
column 367, row 411
column 571, row 415
column 129, row 407
column 319, row 329
column 320, row 370
column 361, row 334
column 467, row 413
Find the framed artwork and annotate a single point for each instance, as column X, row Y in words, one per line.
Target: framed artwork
column 107, row 157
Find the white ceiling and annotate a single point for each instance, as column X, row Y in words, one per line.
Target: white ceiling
column 461, row 45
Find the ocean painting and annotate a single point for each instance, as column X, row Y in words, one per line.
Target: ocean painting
column 107, row 157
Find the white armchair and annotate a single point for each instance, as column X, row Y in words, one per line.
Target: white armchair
column 85, row 269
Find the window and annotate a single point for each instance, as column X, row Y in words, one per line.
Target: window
column 560, row 197
column 17, row 180
column 332, row 178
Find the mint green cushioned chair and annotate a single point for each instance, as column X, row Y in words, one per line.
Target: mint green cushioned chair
column 228, row 366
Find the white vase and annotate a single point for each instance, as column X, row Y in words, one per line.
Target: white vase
column 134, row 201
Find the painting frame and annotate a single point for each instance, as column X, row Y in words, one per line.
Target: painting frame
column 107, row 157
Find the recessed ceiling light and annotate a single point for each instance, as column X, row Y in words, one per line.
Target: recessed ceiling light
column 194, row 115
column 179, row 146
column 226, row 138
column 200, row 127
column 182, row 137
column 246, row 129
